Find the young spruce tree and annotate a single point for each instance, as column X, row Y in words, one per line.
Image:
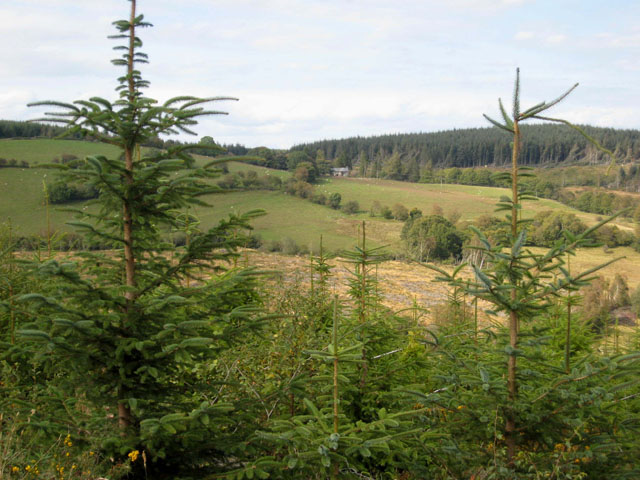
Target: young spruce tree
column 540, row 417
column 138, row 329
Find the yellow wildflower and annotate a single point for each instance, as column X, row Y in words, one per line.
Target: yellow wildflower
column 27, row 468
column 15, row 469
column 133, row 455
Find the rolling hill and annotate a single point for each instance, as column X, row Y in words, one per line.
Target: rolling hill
column 21, row 199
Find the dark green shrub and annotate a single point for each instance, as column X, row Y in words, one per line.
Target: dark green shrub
column 549, row 226
column 400, row 212
column 432, row 237
column 334, row 200
column 229, row 181
column 351, row 207
column 319, row 198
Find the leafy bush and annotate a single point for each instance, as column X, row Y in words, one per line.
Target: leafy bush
column 63, row 192
column 549, row 226
column 13, row 163
column 400, row 212
column 289, row 246
column 351, row 207
column 432, row 237
column 319, row 198
column 334, row 200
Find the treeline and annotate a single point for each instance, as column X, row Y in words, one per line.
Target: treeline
column 434, row 237
column 622, row 177
column 410, row 157
column 15, row 129
column 474, row 147
column 19, row 129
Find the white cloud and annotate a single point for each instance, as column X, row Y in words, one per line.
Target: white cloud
column 549, row 38
column 616, row 40
column 555, row 38
column 282, row 119
column 617, row 117
column 524, row 35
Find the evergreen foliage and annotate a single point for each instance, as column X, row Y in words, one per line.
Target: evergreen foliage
column 140, row 329
column 431, row 238
column 521, row 284
column 474, row 147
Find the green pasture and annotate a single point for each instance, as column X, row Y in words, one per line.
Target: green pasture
column 470, row 201
column 286, row 216
column 21, row 200
column 39, row 150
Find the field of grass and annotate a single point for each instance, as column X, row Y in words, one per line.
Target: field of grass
column 400, row 283
column 235, row 167
column 287, row 216
column 21, row 200
column 36, row 151
column 21, row 189
column 470, row 201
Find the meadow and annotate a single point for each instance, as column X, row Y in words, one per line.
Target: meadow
column 286, row 217
column 40, row 150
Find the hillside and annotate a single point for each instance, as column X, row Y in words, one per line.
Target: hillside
column 288, row 217
column 472, row 147
column 38, row 151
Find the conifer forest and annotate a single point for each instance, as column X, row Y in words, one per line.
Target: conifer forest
column 151, row 347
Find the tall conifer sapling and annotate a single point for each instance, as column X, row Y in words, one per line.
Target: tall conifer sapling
column 128, row 323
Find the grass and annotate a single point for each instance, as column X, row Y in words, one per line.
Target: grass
column 21, row 189
column 401, row 282
column 38, row 151
column 235, row 167
column 287, row 216
column 21, row 198
column 470, row 201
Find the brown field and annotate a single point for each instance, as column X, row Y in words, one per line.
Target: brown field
column 402, row 283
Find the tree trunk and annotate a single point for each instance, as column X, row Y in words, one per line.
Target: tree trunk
column 512, row 388
column 124, row 412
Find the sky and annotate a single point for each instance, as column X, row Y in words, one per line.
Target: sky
column 306, row 70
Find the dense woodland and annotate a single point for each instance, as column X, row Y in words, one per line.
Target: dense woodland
column 153, row 360
column 479, row 147
column 546, row 145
